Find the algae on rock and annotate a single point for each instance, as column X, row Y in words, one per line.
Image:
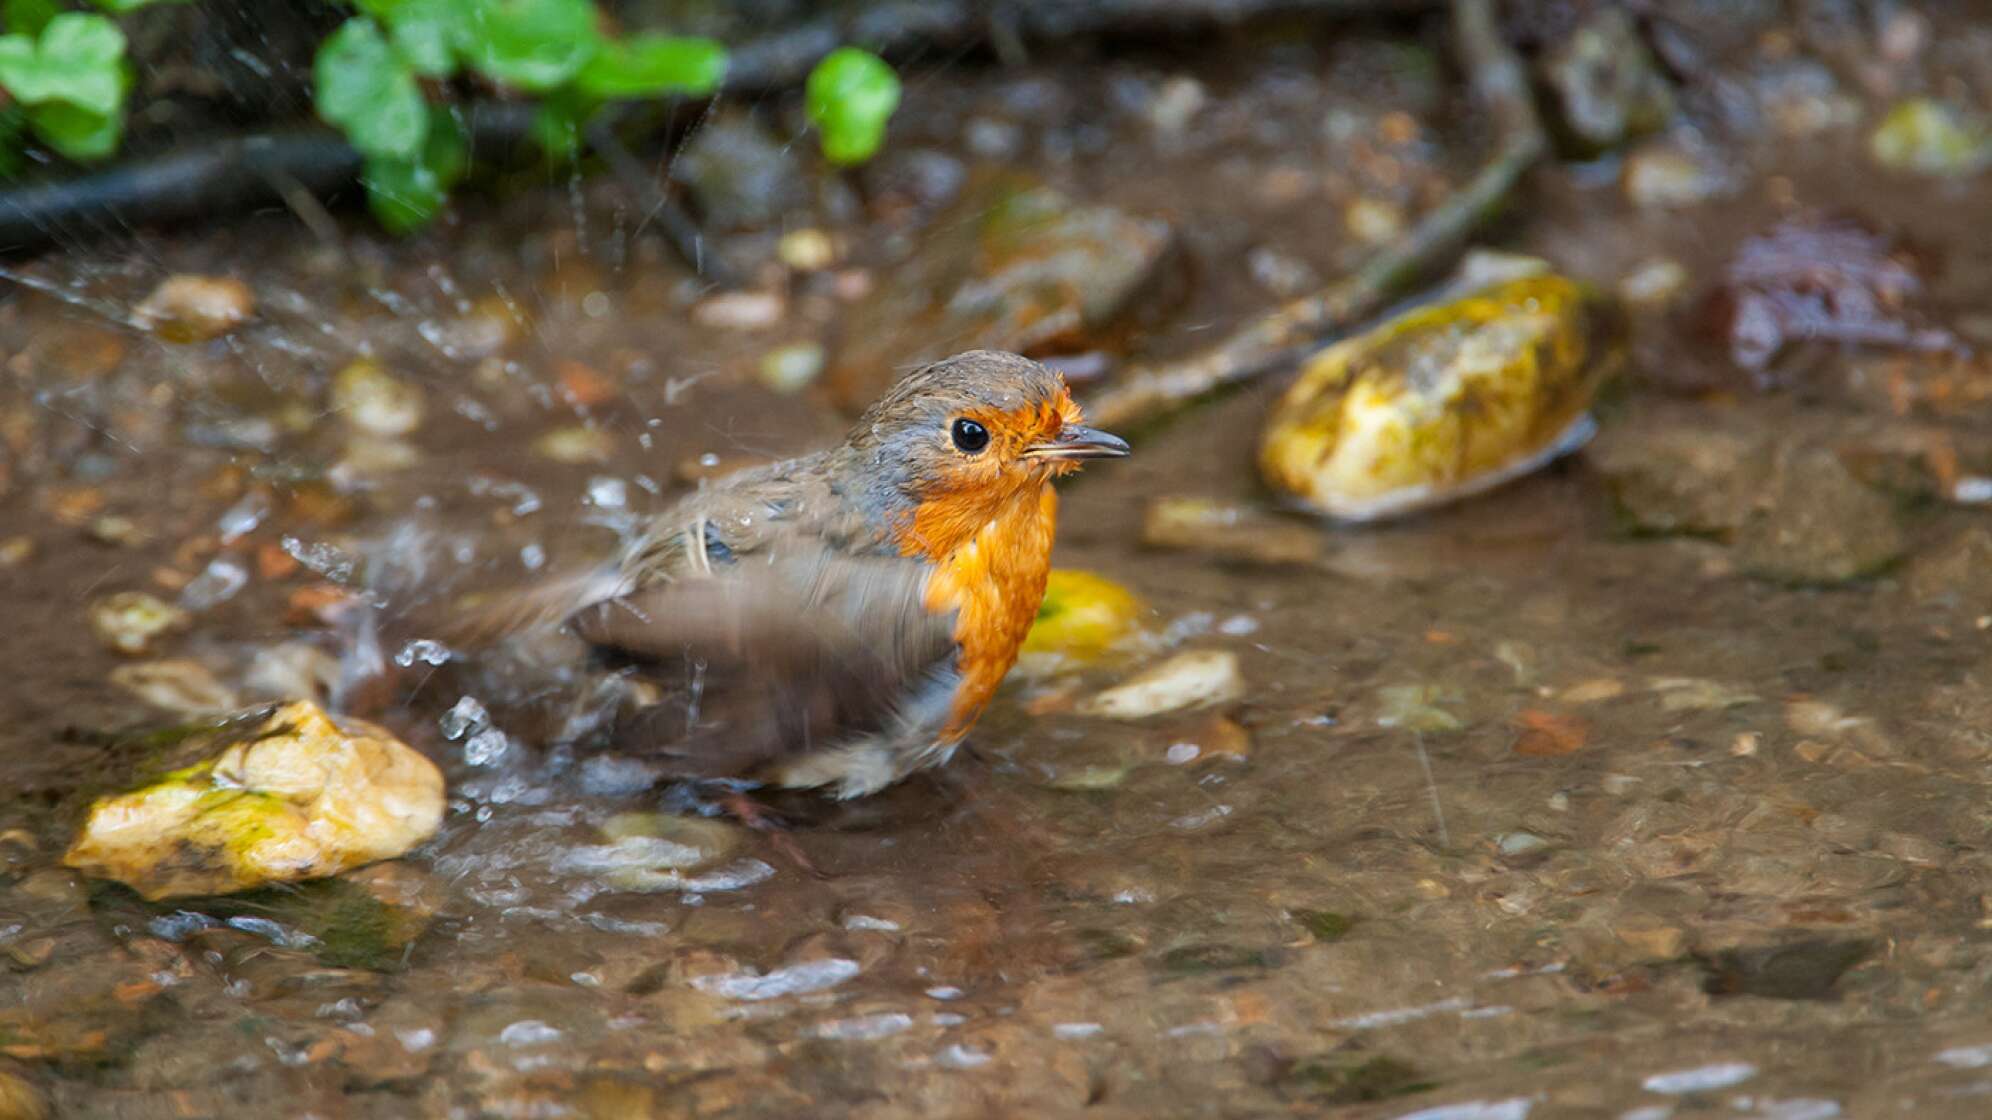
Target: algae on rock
column 300, row 796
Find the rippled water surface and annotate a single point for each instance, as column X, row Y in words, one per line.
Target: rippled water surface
column 1523, row 812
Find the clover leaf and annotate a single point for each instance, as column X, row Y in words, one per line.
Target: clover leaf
column 849, row 96
column 653, row 65
column 368, row 90
column 78, row 60
column 406, row 194
column 533, row 45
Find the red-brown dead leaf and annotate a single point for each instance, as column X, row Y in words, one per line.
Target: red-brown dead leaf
column 582, row 386
column 1541, row 734
column 273, row 562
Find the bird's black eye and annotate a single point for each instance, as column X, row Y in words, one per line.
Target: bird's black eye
column 970, row 436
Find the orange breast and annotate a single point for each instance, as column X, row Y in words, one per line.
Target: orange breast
column 996, row 583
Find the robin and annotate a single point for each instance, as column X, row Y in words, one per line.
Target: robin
column 841, row 620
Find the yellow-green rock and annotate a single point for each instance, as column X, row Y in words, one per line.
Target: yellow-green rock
column 299, row 797
column 1443, row 401
column 1926, row 137
column 1082, row 618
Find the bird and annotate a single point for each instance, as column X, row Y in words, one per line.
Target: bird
column 841, row 620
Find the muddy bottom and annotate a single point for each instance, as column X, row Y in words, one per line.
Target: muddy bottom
column 1529, row 808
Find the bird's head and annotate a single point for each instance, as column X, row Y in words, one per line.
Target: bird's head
column 952, row 444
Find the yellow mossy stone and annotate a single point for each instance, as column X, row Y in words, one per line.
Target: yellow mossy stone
column 1444, row 401
column 301, row 797
column 1082, row 617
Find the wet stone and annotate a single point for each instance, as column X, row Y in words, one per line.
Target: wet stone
column 1354, row 1079
column 1687, row 479
column 1818, row 525
column 20, row 1100
column 1956, row 574
column 740, row 175
column 1324, row 925
column 1662, row 176
column 134, row 622
column 576, row 445
column 1194, row 679
column 664, row 852
column 1226, row 531
column 793, row 368
column 1013, row 266
column 375, row 401
column 176, row 685
column 303, row 796
column 1444, row 401
column 191, row 308
column 1802, row 969
column 1195, row 960
column 1083, row 617
column 1925, row 137
column 1608, row 87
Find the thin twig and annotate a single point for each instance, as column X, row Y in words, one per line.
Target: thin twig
column 1499, row 82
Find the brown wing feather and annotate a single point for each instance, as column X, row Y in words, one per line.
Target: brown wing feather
column 789, row 652
column 775, row 625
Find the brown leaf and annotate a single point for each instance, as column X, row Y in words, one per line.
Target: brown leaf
column 1546, row 735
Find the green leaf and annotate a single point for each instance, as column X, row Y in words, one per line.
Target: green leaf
column 533, row 45
column 28, row 16
column 368, row 90
column 76, row 133
column 78, row 60
column 422, row 31
column 407, row 194
column 849, row 97
column 122, row 6
column 558, row 123
column 653, row 65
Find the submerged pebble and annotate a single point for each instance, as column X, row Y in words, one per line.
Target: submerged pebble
column 1663, row 176
column 1194, row 679
column 793, row 368
column 798, row 979
column 659, row 851
column 368, row 397
column 1607, row 85
column 1818, row 524
column 191, row 308
column 1082, row 618
column 576, row 445
column 1927, row 137
column 1227, row 531
column 176, row 685
column 133, row 622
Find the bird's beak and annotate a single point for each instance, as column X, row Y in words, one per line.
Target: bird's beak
column 1076, row 442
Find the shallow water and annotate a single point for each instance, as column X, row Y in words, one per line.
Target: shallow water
column 1747, row 874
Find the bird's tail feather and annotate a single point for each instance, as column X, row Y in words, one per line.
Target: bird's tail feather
column 486, row 618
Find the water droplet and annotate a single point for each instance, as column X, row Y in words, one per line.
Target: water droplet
column 528, row 1032
column 485, row 747
column 425, row 650
column 217, row 583
column 467, row 715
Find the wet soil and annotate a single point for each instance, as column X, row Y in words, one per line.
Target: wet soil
column 1660, row 836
